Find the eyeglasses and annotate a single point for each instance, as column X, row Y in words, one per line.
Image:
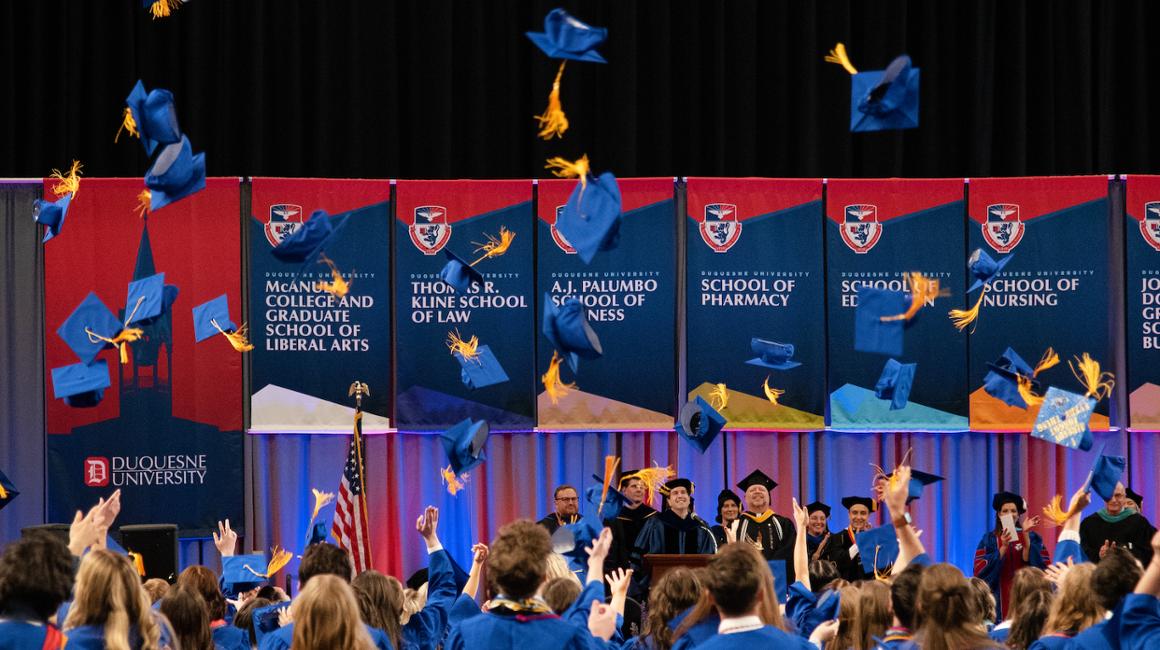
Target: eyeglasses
column 567, row 498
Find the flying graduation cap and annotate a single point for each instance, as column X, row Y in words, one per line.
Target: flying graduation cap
column 162, row 8
column 699, row 423
column 984, row 269
column 573, row 540
column 8, row 491
column 150, row 116
column 607, row 500
column 566, row 327
column 1002, row 380
column 878, row 549
column 881, row 100
column 91, row 328
column 245, row 572
column 771, row 354
column 81, row 385
column 590, row 220
column 895, row 382
column 464, row 445
column 564, row 37
column 51, row 214
column 1105, row 474
column 872, row 333
column 461, row 274
column 213, row 317
column 1064, row 417
column 479, row 367
column 176, row 174
column 306, row 243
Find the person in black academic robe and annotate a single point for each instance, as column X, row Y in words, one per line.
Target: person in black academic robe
column 821, row 544
column 567, row 509
column 771, row 533
column 849, row 559
column 626, row 525
column 1116, row 525
column 728, row 510
column 676, row 530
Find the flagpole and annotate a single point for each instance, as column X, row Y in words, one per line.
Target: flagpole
column 358, row 389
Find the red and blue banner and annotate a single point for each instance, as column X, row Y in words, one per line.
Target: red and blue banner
column 168, row 431
column 1052, row 293
column 436, row 217
column 1142, row 256
column 877, row 233
column 754, row 271
column 309, row 345
column 629, row 294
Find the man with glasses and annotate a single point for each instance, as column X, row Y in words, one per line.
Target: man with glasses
column 567, row 509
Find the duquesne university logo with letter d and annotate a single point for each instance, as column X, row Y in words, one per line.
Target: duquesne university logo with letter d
column 96, row 471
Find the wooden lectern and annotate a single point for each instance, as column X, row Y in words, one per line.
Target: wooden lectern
column 658, row 564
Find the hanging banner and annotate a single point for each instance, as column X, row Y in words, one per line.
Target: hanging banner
column 879, row 232
column 488, row 225
column 167, row 430
column 1142, row 238
column 753, row 271
column 1053, row 291
column 629, row 296
column 296, row 324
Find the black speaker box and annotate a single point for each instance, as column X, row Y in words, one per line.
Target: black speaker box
column 157, row 544
column 60, row 531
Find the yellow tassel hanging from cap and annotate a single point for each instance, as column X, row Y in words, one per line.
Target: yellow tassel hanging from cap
column 719, row 397
column 771, row 393
column 454, row 485
column 494, row 246
column 237, row 338
column 1049, row 360
column 555, row 387
column 138, row 562
column 67, row 183
column 128, row 124
column 553, row 123
column 144, row 201
column 338, row 286
column 467, row 349
column 279, row 558
column 563, row 168
column 164, row 8
column 121, row 341
column 922, row 290
column 3, row 492
column 1054, row 511
column 321, row 499
column 963, row 317
column 838, row 55
column 1098, row 384
column 653, row 478
column 610, row 463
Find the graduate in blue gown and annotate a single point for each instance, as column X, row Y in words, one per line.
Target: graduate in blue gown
column 1139, row 615
column 28, row 598
column 108, row 584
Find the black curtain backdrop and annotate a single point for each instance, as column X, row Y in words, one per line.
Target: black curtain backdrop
column 443, row 89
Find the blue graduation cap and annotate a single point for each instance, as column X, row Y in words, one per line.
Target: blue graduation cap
column 91, row 315
column 871, row 333
column 176, row 174
column 1106, row 473
column 154, row 115
column 780, row 579
column 459, row 273
column 1064, row 419
column 146, row 298
column 590, row 220
column 878, row 548
column 238, row 572
column 265, row 619
column 918, row 481
column 573, row 540
column 566, row 327
column 1002, row 380
column 771, row 354
column 984, row 268
column 564, row 37
column 895, row 382
column 81, row 385
column 613, row 502
column 481, row 371
column 208, row 313
column 699, row 423
column 8, row 491
column 307, row 242
column 51, row 214
column 887, row 99
column 464, row 443
column 828, row 605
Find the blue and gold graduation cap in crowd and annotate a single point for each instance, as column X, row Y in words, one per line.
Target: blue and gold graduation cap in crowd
column 464, row 445
column 828, row 605
column 479, row 367
column 461, row 274
column 1064, row 416
column 566, row 327
column 771, row 354
column 895, row 382
column 51, row 214
column 590, row 220
column 878, row 549
column 607, row 499
column 81, row 385
column 567, row 38
column 150, row 116
column 573, row 540
column 266, row 618
column 245, row 572
column 1105, row 474
column 317, row 530
column 91, row 328
column 699, row 423
column 984, row 269
column 881, row 100
column 8, row 491
column 213, row 317
column 176, row 174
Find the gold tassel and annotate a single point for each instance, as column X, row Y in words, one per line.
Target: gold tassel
column 610, row 463
column 3, row 492
column 1098, row 384
column 963, row 317
column 320, row 500
column 653, row 478
column 144, row 200
column 719, row 397
column 553, row 123
column 237, row 338
column 922, row 289
column 454, row 485
column 279, row 558
column 128, row 124
column 494, row 247
column 339, row 287
column 838, row 55
column 138, row 562
column 1049, row 360
column 120, row 341
column 467, row 349
column 1054, row 511
column 164, row 8
column 555, row 387
column 67, row 183
column 771, row 394
column 563, row 168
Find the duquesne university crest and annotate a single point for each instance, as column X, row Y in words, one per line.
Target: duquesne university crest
column 1003, row 228
column 557, row 237
column 429, row 230
column 860, row 227
column 719, row 227
column 1150, row 224
column 284, row 219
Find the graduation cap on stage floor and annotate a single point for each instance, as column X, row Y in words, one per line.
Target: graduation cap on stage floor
column 8, row 491
column 699, row 423
column 895, row 382
column 464, row 445
column 566, row 327
column 213, row 317
column 881, row 99
column 590, row 220
column 81, row 385
column 176, row 174
column 771, row 354
column 150, row 116
column 564, row 37
column 878, row 549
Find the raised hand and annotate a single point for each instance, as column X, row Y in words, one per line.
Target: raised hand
column 82, row 532
column 600, row 546
column 479, row 553
column 601, row 620
column 427, row 524
column 225, row 539
column 1056, row 572
column 619, row 580
column 1031, row 522
column 800, row 515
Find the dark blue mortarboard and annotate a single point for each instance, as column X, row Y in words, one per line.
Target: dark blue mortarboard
column 895, row 382
column 1003, row 497
column 573, row 540
column 458, row 273
column 91, row 314
column 871, row 333
column 699, row 423
column 1063, row 419
column 878, row 548
column 8, row 491
column 780, row 579
column 566, row 327
column 207, row 313
column 867, row 502
column 887, row 99
column 771, row 354
column 307, row 241
column 51, row 214
column 464, row 445
column 176, row 174
column 81, row 385
column 590, row 220
column 918, row 481
column 266, row 619
column 614, row 501
column 564, row 37
column 1002, row 380
column 155, row 116
column 818, row 506
column 1106, row 473
column 828, row 605
column 237, row 575
column 482, row 371
column 318, row 533
column 146, row 299
column 984, row 268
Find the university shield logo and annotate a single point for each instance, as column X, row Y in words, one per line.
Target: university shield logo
column 557, row 237
column 720, row 228
column 1003, row 228
column 283, row 220
column 1150, row 224
column 860, row 229
column 429, row 230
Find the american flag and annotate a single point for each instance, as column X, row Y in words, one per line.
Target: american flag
column 350, row 515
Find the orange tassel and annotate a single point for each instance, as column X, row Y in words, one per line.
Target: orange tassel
column 454, row 485
column 494, row 247
column 1098, row 384
column 144, row 201
column 555, row 386
column 164, row 8
column 467, row 349
column 1055, row 513
column 922, row 290
column 128, row 124
column 653, row 478
column 338, row 286
column 771, row 394
column 67, row 183
column 610, row 463
column 838, row 55
column 719, row 397
column 553, row 123
column 563, row 168
column 963, row 317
